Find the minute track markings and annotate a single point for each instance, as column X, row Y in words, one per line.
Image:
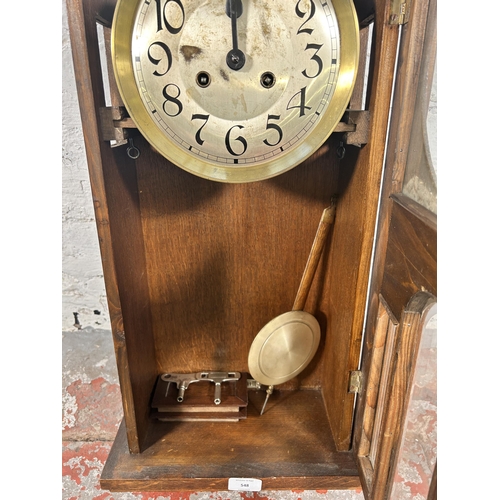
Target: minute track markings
column 253, row 159
column 245, row 160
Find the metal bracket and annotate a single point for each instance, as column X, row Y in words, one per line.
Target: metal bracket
column 253, row 384
column 357, row 127
column 400, row 12
column 355, row 382
column 115, row 125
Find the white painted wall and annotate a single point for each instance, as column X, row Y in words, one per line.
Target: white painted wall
column 82, row 278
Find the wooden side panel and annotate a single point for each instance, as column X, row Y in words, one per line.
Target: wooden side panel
column 411, row 259
column 115, row 195
column 347, row 281
column 383, row 427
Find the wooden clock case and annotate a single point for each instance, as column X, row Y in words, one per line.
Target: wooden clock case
column 195, row 268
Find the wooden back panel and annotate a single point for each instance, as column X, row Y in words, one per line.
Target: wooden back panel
column 225, row 259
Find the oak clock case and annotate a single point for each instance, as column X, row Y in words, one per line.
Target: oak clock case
column 194, row 269
column 235, row 91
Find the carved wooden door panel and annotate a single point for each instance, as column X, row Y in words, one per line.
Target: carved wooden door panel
column 403, row 291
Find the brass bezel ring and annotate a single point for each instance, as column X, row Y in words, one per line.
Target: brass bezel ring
column 121, row 50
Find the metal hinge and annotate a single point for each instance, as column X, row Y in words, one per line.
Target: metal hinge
column 355, row 382
column 400, row 11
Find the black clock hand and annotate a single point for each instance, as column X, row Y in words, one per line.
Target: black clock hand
column 235, row 58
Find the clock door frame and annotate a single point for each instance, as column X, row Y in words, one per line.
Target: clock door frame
column 403, row 291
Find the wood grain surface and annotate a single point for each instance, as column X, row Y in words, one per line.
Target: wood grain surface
column 224, row 259
column 376, row 382
column 411, row 257
column 405, row 250
column 288, row 448
column 399, row 392
column 354, row 232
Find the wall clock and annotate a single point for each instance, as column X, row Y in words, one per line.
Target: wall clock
column 235, row 90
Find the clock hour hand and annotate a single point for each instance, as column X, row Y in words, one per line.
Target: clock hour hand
column 235, row 58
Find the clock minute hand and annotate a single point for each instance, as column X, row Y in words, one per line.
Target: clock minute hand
column 235, row 58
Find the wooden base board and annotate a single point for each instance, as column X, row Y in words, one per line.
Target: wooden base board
column 289, row 447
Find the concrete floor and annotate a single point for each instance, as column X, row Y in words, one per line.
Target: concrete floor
column 92, row 412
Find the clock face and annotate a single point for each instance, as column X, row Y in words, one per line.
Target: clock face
column 235, row 90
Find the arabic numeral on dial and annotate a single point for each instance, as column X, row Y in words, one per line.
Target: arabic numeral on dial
column 205, row 118
column 163, row 15
column 240, row 139
column 273, row 126
column 155, row 61
column 301, row 14
column 172, row 99
column 315, row 58
column 302, row 102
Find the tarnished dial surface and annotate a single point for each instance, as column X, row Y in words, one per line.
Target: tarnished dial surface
column 173, row 62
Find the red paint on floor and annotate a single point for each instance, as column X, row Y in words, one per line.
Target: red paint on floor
column 96, row 410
